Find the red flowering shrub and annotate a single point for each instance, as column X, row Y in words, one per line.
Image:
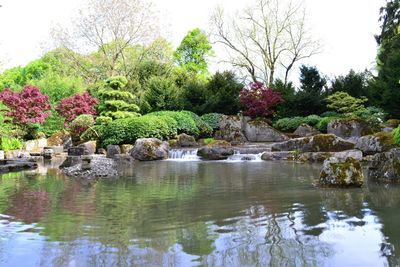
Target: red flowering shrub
column 72, row 107
column 259, row 100
column 27, row 107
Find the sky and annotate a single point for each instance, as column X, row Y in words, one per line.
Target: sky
column 346, row 28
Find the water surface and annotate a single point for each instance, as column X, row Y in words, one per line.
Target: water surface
column 175, row 213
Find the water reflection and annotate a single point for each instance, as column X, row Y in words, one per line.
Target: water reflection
column 196, row 214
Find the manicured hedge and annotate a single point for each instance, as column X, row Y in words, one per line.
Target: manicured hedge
column 205, row 130
column 186, row 124
column 291, row 124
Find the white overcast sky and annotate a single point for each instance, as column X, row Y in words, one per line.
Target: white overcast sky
column 346, row 27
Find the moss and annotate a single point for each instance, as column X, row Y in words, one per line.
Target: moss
column 392, row 123
column 219, row 143
column 385, row 138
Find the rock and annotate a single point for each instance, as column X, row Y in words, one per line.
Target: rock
column 92, row 167
column 123, row 158
column 62, row 138
column 48, row 153
column 260, row 131
column 146, row 149
column 349, row 129
column 16, row 154
column 184, row 140
column 339, row 173
column 71, row 161
column 387, row 129
column 16, row 165
column 217, row 150
column 113, row 150
column 317, row 143
column 89, row 147
column 231, row 129
column 76, row 151
column 279, row 155
column 56, row 149
column 322, row 156
column 377, row 143
column 385, row 166
column 2, row 154
column 305, row 130
column 126, row 149
column 393, row 123
column 36, row 145
column 101, row 151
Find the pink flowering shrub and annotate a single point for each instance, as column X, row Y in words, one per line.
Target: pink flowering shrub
column 259, row 101
column 72, row 107
column 26, row 107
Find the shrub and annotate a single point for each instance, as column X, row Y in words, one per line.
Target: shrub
column 205, row 130
column 212, row 119
column 7, row 143
column 127, row 131
column 27, row 107
column 162, row 94
column 103, row 120
column 78, row 126
column 93, row 133
column 171, row 123
column 372, row 115
column 53, row 124
column 259, row 101
column 323, row 123
column 71, row 107
column 186, row 124
column 396, row 135
column 346, row 104
column 311, row 120
column 288, row 124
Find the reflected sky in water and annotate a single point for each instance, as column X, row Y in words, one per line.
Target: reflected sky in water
column 197, row 214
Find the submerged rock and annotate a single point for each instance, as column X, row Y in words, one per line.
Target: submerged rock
column 377, row 143
column 147, row 149
column 279, row 155
column 217, row 150
column 317, row 143
column 339, row 173
column 305, row 130
column 349, row 129
column 184, row 140
column 261, row 131
column 385, row 166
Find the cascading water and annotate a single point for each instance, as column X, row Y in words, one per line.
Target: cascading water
column 237, row 157
column 183, row 155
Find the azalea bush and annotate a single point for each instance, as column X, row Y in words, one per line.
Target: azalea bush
column 71, row 107
column 27, row 107
column 259, row 101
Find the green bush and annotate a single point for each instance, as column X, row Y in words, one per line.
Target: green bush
column 288, row 124
column 9, row 143
column 372, row 115
column 396, row 135
column 311, row 120
column 212, row 119
column 205, row 130
column 53, row 124
column 171, row 122
column 93, row 133
column 186, row 124
column 323, row 123
column 103, row 120
column 127, row 131
column 79, row 125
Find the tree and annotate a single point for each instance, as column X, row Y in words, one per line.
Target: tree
column 28, row 107
column 162, row 94
column 194, row 51
column 265, row 38
column 72, row 107
column 259, row 101
column 355, row 84
column 345, row 104
column 310, row 99
column 109, row 27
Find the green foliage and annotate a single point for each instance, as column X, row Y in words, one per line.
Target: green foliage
column 372, row 115
column 288, row 124
column 186, row 124
column 205, row 130
column 9, row 143
column 94, row 132
column 171, row 122
column 127, row 131
column 53, row 124
column 115, row 101
column 162, row 94
column 345, row 104
column 355, row 84
column 79, row 125
column 6, row 128
column 322, row 125
column 311, row 120
column 396, row 135
column 212, row 119
column 193, row 52
column 103, row 120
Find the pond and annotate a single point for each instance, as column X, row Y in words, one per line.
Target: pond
column 177, row 213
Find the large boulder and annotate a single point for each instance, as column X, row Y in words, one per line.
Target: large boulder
column 339, row 173
column 147, row 149
column 305, row 130
column 279, row 155
column 385, row 166
column 377, row 143
column 260, row 131
column 89, row 147
column 231, row 129
column 126, row 148
column 35, row 146
column 317, row 143
column 218, row 150
column 62, row 138
column 349, row 129
column 184, row 140
column 322, row 156
column 113, row 150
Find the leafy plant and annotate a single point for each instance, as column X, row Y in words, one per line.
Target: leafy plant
column 288, row 124
column 259, row 101
column 79, row 125
column 345, row 104
column 27, row 107
column 212, row 119
column 72, row 107
column 7, row 143
column 205, row 130
column 186, row 124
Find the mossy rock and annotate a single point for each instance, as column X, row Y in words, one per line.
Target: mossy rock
column 350, row 128
column 219, row 143
column 385, row 167
column 393, row 123
column 376, row 143
column 336, row 173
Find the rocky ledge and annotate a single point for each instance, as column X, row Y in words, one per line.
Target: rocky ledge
column 17, row 165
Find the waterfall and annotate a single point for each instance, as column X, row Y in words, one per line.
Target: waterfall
column 245, row 157
column 183, row 155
